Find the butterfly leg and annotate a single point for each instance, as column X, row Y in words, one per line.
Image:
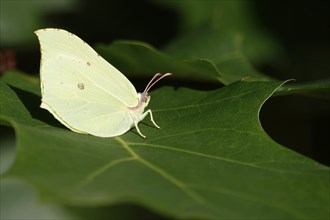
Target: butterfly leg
column 151, row 118
column 138, row 130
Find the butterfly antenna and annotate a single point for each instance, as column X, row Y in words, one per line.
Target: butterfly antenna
column 154, row 80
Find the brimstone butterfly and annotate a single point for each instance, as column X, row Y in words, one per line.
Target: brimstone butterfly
column 86, row 93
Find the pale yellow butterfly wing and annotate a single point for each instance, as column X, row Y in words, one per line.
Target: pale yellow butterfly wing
column 81, row 89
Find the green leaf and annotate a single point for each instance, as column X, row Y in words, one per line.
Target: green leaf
column 141, row 59
column 25, row 82
column 317, row 89
column 13, row 110
column 225, row 50
column 210, row 160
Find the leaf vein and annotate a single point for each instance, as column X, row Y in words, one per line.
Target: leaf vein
column 218, row 158
column 102, row 169
column 190, row 193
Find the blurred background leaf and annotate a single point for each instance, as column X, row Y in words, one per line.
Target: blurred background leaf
column 18, row 19
column 235, row 17
column 20, row 201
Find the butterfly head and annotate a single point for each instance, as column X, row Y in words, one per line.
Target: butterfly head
column 144, row 98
